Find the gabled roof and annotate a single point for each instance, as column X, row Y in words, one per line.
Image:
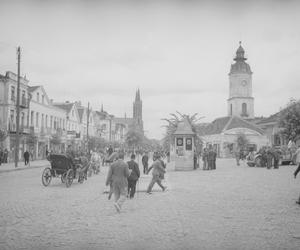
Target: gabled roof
column 33, row 88
column 65, row 106
column 223, row 124
column 184, row 128
column 80, row 112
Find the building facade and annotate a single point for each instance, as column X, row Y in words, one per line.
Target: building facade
column 8, row 112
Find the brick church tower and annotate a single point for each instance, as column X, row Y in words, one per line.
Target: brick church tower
column 240, row 101
column 138, row 111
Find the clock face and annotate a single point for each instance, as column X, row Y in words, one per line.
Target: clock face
column 244, row 82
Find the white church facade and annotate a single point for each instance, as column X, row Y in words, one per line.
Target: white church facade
column 222, row 133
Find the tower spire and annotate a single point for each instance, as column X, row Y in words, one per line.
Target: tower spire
column 101, row 107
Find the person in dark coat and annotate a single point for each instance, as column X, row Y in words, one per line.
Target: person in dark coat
column 133, row 177
column 211, row 158
column 117, row 177
column 297, row 155
column 205, row 159
column 145, row 160
column 1, row 156
column 26, row 157
column 157, row 173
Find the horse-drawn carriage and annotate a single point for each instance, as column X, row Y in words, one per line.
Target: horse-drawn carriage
column 67, row 169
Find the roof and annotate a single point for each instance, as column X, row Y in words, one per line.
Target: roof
column 33, row 88
column 223, row 124
column 80, row 112
column 65, row 106
column 120, row 120
column 271, row 119
column 184, row 128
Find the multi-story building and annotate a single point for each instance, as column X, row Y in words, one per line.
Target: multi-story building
column 73, row 125
column 8, row 105
column 47, row 123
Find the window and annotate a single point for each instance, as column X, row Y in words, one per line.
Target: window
column 38, row 97
column 244, row 109
column 23, row 97
column 51, row 121
column 46, row 122
column 42, row 123
column 22, row 119
column 37, row 120
column 12, row 93
column 32, row 118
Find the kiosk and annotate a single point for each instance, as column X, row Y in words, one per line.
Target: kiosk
column 184, row 146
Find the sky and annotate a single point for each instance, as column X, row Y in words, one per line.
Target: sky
column 178, row 53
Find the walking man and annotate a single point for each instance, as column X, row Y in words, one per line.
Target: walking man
column 205, row 159
column 145, row 160
column 117, row 175
column 158, row 171
column 133, row 177
column 297, row 153
column 26, row 157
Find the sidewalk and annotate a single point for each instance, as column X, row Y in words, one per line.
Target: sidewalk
column 9, row 167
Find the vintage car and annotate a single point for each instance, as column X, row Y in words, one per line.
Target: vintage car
column 64, row 167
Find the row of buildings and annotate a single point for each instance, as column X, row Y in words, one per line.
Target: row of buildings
column 48, row 125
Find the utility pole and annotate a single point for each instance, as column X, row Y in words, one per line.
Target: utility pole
column 17, row 141
column 87, row 127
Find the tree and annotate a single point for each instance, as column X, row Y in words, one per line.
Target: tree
column 172, row 126
column 289, row 120
column 242, row 141
column 134, row 138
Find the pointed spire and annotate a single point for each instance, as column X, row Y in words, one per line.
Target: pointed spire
column 137, row 95
column 101, row 107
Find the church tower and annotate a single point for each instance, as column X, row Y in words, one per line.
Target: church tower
column 138, row 111
column 240, row 101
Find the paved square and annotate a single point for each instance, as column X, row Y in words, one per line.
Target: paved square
column 228, row 208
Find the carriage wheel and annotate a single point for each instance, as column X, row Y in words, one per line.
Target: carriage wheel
column 258, row 161
column 63, row 177
column 46, row 177
column 69, row 177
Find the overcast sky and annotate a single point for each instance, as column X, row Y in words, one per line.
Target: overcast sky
column 177, row 52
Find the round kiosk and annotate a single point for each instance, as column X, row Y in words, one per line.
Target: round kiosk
column 184, row 146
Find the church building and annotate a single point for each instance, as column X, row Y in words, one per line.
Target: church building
column 223, row 132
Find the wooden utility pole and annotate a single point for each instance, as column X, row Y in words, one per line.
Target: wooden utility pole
column 87, row 127
column 17, row 141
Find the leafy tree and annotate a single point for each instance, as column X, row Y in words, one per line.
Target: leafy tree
column 172, row 126
column 289, row 120
column 242, row 141
column 134, row 138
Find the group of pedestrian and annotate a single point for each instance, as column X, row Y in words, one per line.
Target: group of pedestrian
column 3, row 156
column 122, row 177
column 209, row 157
column 270, row 157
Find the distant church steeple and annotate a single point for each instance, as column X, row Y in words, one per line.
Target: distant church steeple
column 138, row 111
column 240, row 101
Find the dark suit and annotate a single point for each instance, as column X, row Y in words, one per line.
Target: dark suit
column 117, row 176
column 133, row 178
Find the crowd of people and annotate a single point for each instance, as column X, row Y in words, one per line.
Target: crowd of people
column 122, row 177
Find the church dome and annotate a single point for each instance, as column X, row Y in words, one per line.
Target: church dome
column 240, row 66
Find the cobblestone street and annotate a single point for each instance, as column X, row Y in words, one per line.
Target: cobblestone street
column 229, row 208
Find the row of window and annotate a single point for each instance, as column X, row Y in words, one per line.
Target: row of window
column 13, row 95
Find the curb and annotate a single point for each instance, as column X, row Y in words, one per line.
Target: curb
column 23, row 168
